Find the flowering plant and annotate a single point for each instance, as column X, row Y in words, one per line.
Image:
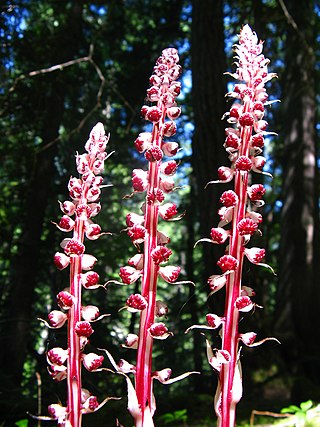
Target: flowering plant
column 150, row 261
column 84, row 206
column 244, row 143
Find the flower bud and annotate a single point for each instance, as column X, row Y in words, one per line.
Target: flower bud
column 173, row 113
column 65, row 300
column 169, row 273
column 166, row 184
column 161, row 309
column 247, row 227
column 93, row 231
column 137, row 234
column 169, row 129
column 169, row 168
column 91, row 404
column 57, row 318
column 74, row 247
column 92, row 361
column 160, row 254
column 142, row 143
column 153, row 94
column 163, row 376
column 129, row 275
column 61, row 260
column 154, row 114
column 89, row 313
column 132, row 341
column 153, row 154
column 136, row 302
column 256, row 192
column 219, row 235
column 257, row 141
column 228, row 263
column 83, row 329
column 57, row 411
column 244, row 304
column 168, row 211
column 170, row 148
column 126, row 367
column 93, row 194
column 67, row 207
column 83, row 211
column 159, row 331
column 246, row 119
column 65, row 223
column 134, row 219
column 57, row 372
column 229, row 198
column 57, row 356
column 225, row 174
column 213, row 320
column 136, row 261
column 243, row 163
column 139, row 180
column 216, row 282
column 255, row 255
column 88, row 262
column 248, row 338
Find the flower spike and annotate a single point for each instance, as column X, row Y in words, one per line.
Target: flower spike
column 85, row 193
column 239, row 220
column 153, row 253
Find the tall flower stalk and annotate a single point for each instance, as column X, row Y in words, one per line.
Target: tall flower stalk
column 83, row 207
column 239, row 219
column 149, row 263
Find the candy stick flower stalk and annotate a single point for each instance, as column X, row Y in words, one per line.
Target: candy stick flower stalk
column 244, row 142
column 149, row 263
column 83, row 207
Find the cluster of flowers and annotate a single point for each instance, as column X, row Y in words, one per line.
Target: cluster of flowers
column 244, row 143
column 149, row 263
column 78, row 217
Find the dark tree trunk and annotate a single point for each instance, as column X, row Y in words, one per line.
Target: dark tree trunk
column 208, row 99
column 299, row 290
column 208, row 91
column 15, row 335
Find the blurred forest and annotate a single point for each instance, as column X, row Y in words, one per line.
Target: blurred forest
column 106, row 51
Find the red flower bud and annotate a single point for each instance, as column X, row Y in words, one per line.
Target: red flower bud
column 153, row 154
column 83, row 329
column 229, row 198
column 243, row 163
column 61, row 260
column 228, row 263
column 65, row 300
column 136, row 302
column 73, row 247
column 246, row 119
column 160, row 254
column 154, row 114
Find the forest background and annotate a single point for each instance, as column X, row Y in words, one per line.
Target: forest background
column 107, row 50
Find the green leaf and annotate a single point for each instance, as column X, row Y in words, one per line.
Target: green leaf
column 22, row 423
column 292, row 409
column 305, row 406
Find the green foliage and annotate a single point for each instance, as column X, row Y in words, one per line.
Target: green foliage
column 301, row 412
column 174, row 417
column 22, row 423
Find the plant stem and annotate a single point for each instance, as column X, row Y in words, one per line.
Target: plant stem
column 233, row 286
column 149, row 287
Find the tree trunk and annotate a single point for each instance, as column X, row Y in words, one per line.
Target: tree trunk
column 299, row 290
column 15, row 334
column 208, row 98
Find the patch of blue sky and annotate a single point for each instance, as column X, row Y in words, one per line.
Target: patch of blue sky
column 99, row 10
